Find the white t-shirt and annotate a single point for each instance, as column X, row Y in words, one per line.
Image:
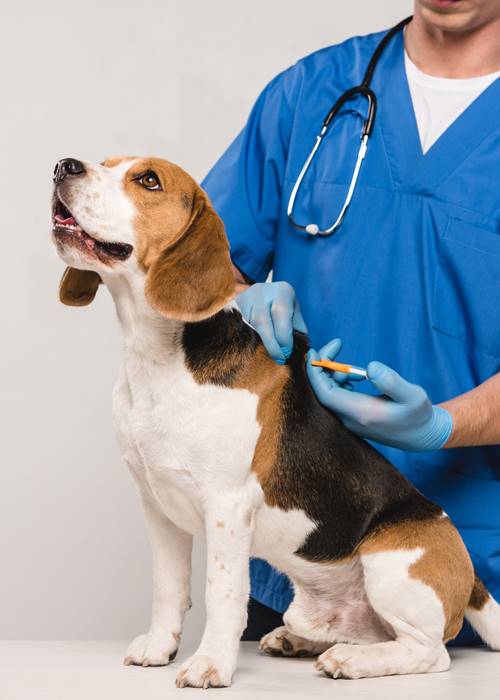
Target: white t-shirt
column 437, row 102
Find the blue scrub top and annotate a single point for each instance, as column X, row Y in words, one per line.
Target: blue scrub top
column 412, row 276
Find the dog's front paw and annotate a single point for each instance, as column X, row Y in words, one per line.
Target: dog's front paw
column 152, row 650
column 201, row 671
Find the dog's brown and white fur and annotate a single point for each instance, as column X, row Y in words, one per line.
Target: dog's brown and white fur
column 225, row 444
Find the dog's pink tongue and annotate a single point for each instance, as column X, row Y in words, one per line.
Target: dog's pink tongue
column 68, row 221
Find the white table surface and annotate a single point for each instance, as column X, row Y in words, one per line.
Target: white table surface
column 93, row 671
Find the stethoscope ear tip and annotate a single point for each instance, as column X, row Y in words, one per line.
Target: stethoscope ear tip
column 312, row 229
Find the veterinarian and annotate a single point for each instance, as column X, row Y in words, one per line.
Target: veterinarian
column 410, row 276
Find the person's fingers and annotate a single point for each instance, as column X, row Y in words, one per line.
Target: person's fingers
column 391, row 384
column 336, row 398
column 314, row 369
column 330, row 350
column 245, row 300
column 319, row 378
column 312, row 354
column 342, row 377
column 282, row 317
column 298, row 320
column 262, row 323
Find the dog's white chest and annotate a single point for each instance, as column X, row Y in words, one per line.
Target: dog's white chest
column 182, row 439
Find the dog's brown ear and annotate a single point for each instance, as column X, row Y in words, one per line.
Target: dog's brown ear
column 193, row 277
column 78, row 287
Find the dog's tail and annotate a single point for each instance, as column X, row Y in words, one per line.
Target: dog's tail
column 483, row 613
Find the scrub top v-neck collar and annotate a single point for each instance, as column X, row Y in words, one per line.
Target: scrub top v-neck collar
column 411, row 169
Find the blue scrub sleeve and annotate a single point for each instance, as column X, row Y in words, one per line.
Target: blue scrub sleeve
column 246, row 182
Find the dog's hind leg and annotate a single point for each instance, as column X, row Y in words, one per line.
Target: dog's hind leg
column 282, row 642
column 334, row 609
column 412, row 612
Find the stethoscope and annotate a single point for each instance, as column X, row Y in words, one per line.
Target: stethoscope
column 365, row 91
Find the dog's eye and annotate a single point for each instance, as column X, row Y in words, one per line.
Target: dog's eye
column 149, row 180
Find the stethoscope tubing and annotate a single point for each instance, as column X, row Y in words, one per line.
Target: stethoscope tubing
column 363, row 90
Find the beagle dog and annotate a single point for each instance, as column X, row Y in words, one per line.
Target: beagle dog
column 224, row 443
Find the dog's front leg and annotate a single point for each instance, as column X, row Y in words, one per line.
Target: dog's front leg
column 171, row 549
column 229, row 527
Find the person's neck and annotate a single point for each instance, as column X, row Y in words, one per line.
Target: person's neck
column 451, row 54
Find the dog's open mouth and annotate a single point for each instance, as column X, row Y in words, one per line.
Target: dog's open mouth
column 67, row 230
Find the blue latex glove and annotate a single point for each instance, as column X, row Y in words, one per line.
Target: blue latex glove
column 403, row 416
column 271, row 308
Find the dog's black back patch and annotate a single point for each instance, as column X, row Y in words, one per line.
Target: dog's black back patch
column 340, row 481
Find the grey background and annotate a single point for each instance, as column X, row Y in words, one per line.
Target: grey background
column 92, row 79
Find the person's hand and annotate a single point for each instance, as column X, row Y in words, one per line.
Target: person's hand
column 403, row 416
column 271, row 308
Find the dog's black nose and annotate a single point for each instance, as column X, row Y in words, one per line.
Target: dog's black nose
column 67, row 166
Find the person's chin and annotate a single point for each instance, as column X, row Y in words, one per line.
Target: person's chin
column 449, row 15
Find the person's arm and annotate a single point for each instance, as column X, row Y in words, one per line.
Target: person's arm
column 476, row 415
column 402, row 415
column 245, row 185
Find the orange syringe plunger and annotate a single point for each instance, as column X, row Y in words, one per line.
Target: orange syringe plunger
column 340, row 367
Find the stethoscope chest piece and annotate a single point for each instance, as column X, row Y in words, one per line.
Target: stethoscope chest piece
column 312, row 229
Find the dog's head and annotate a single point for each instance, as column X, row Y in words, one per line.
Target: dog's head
column 144, row 217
